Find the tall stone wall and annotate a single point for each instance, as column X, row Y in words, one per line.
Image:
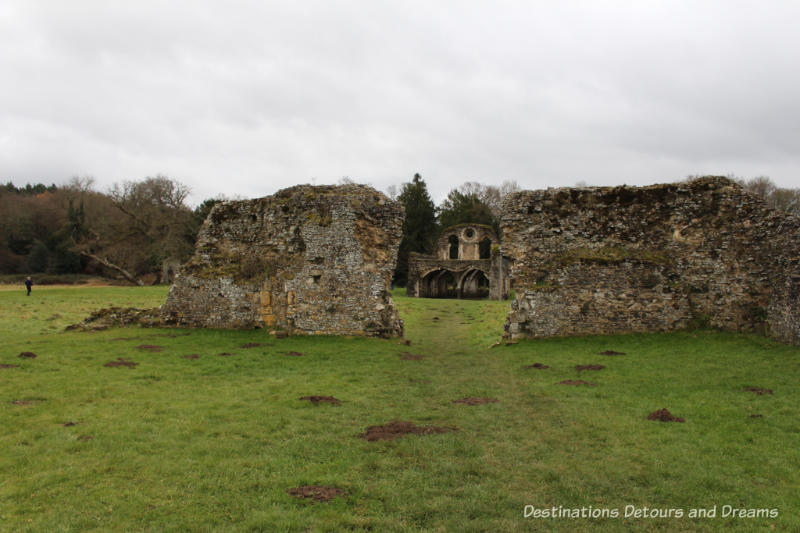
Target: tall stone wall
column 307, row 260
column 597, row 260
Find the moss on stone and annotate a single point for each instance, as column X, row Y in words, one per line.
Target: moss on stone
column 543, row 286
column 612, row 254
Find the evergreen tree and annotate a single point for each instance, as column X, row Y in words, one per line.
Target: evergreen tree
column 201, row 211
column 419, row 228
column 466, row 207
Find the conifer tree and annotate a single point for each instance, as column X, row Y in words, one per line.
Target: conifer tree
column 419, row 228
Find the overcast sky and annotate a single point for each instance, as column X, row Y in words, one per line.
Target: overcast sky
column 243, row 98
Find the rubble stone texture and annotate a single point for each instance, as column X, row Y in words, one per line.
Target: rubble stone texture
column 307, row 260
column 601, row 260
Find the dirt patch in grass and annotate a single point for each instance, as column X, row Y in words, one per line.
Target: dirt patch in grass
column 9, row 366
column 759, row 390
column 576, row 382
column 404, row 342
column 316, row 400
column 225, row 354
column 251, row 345
column 28, row 401
column 756, row 415
column 581, row 368
column 294, row 354
column 398, row 428
column 84, row 438
column 537, row 366
column 473, row 400
column 191, row 356
column 27, row 355
column 150, row 348
column 319, row 493
column 69, row 424
column 408, row 356
column 436, row 318
column 121, row 361
column 173, row 335
column 663, row 415
column 612, row 352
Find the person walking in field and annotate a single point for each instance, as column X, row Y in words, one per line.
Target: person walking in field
column 28, row 284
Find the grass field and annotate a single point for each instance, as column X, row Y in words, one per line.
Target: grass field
column 213, row 443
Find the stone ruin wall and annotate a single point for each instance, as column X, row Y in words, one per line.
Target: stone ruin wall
column 601, row 260
column 307, row 260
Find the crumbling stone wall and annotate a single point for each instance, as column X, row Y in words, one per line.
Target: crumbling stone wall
column 596, row 260
column 307, row 260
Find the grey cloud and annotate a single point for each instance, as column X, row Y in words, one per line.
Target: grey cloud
column 256, row 96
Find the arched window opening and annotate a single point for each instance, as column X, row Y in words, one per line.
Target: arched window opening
column 475, row 285
column 447, row 286
column 453, row 240
column 485, row 249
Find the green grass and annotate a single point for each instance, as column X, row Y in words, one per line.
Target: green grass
column 212, row 444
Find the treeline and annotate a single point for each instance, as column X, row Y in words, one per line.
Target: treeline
column 28, row 189
column 141, row 231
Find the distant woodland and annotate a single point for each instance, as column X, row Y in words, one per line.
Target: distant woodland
column 138, row 231
column 141, row 231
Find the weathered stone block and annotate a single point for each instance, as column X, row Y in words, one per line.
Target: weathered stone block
column 657, row 258
column 283, row 260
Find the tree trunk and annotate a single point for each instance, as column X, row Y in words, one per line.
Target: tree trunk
column 127, row 275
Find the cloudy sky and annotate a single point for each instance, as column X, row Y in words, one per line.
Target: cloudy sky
column 242, row 98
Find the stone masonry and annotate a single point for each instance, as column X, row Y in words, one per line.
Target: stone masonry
column 307, row 260
column 598, row 260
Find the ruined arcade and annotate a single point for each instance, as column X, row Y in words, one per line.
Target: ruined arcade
column 467, row 264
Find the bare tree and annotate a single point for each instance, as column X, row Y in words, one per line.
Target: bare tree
column 157, row 227
column 491, row 195
column 761, row 186
column 775, row 197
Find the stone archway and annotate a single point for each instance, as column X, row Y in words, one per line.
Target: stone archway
column 439, row 284
column 474, row 284
column 464, row 250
